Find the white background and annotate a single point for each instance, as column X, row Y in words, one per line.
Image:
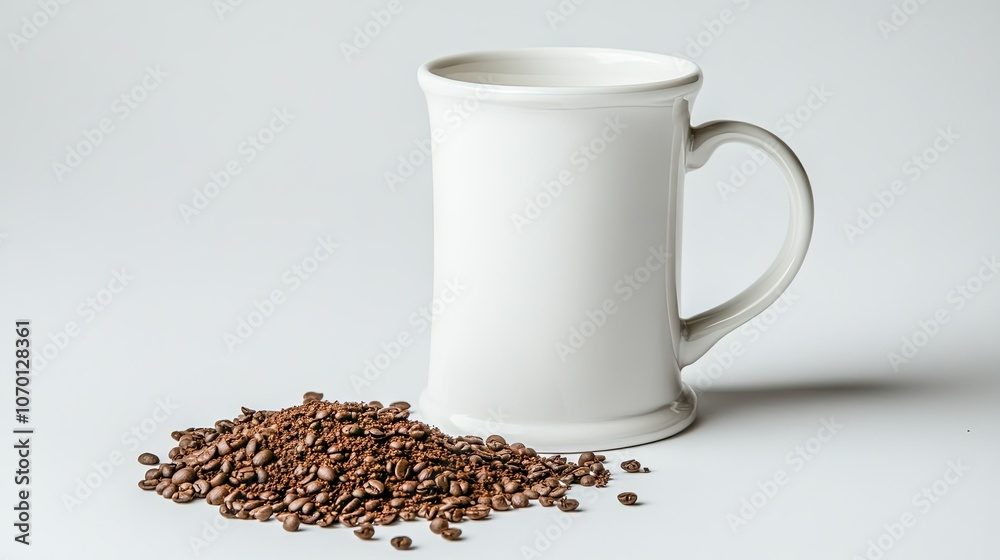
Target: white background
column 826, row 356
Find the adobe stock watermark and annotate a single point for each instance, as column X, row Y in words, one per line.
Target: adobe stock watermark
column 913, row 169
column 560, row 523
column 712, row 29
column 899, row 16
column 209, row 532
column 562, row 12
column 709, row 369
column 366, row 32
column 453, row 117
column 247, row 151
column 785, row 127
column 796, row 459
column 580, row 160
column 122, row 107
column 131, row 439
column 623, row 290
column 32, row 25
column 420, row 321
column 87, row 310
column 923, row 502
column 959, row 297
column 225, row 7
column 292, row 279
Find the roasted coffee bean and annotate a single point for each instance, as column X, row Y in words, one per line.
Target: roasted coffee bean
column 402, row 469
column 216, row 495
column 184, row 475
column 568, row 504
column 451, row 534
column 264, row 457
column 401, row 543
column 149, row 459
column 365, row 531
column 291, row 523
column 499, row 503
column 201, row 487
column 438, row 525
column 297, row 504
column 352, row 430
column 546, row 501
column 586, row 457
column 477, row 512
column 588, row 480
column 627, row 498
column 631, row 466
column 312, row 396
column 519, row 500
column 263, row 513
column 183, row 497
column 326, row 474
column 401, row 405
column 373, row 487
column 208, row 454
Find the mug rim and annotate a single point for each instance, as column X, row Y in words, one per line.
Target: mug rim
column 431, row 79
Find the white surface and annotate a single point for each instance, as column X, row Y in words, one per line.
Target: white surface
column 876, row 103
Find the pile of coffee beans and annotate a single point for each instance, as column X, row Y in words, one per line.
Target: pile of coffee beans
column 361, row 465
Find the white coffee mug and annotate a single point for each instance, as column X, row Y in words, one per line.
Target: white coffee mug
column 557, row 180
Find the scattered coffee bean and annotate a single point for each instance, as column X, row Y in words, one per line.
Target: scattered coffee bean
column 365, row 531
column 500, row 503
column 568, row 504
column 631, row 466
column 438, row 525
column 149, row 459
column 627, row 498
column 451, row 534
column 401, row 543
column 291, row 523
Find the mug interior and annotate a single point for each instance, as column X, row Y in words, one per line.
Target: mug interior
column 565, row 68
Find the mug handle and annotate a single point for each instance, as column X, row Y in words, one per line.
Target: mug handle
column 702, row 331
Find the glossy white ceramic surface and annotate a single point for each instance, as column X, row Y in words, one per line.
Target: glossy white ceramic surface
column 557, row 206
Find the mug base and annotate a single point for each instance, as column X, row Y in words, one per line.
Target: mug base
column 572, row 437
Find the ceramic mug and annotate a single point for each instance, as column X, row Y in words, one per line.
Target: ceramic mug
column 557, row 186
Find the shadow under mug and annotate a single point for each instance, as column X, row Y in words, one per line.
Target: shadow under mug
column 558, row 184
